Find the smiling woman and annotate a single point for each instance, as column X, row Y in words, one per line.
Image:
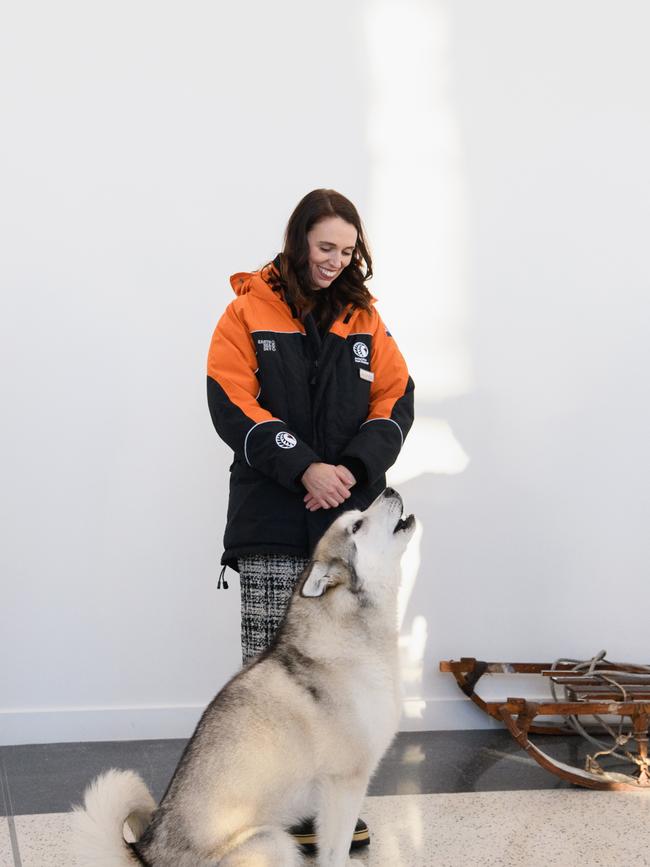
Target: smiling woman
column 299, row 365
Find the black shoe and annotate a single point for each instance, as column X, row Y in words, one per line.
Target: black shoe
column 305, row 835
column 361, row 836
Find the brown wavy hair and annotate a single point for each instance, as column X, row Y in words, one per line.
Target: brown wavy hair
column 294, row 278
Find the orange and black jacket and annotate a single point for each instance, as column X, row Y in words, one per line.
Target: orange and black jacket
column 282, row 398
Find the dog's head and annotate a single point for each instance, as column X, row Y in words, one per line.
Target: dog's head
column 360, row 552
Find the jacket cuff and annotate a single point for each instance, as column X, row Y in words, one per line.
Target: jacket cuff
column 357, row 468
column 377, row 446
column 301, row 473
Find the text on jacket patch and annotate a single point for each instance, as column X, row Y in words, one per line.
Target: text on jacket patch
column 267, row 345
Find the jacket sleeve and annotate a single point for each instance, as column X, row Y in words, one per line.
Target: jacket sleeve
column 254, row 435
column 390, row 415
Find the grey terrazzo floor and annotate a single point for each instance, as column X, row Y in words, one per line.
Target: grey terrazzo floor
column 6, row 857
column 467, row 829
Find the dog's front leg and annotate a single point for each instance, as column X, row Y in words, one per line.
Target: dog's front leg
column 340, row 802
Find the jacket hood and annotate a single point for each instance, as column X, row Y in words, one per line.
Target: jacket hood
column 244, row 282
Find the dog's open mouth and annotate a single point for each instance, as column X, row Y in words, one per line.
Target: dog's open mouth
column 404, row 523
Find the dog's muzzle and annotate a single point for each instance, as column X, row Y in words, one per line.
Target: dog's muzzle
column 404, row 523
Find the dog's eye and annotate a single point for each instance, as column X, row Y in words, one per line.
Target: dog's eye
column 356, row 526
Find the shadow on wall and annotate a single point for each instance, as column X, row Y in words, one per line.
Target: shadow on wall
column 489, row 546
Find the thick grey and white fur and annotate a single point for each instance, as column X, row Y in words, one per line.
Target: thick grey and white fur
column 297, row 733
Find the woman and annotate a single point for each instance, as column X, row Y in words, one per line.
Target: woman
column 309, row 389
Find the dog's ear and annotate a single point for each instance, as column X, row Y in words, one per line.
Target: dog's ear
column 316, row 579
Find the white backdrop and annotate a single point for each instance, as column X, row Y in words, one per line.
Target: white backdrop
column 498, row 156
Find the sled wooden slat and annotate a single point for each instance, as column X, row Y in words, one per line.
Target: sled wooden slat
column 634, row 693
column 641, row 677
column 608, row 696
column 622, row 679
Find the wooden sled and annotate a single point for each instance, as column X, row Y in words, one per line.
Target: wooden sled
column 613, row 690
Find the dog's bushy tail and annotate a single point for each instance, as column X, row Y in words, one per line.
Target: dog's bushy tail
column 111, row 800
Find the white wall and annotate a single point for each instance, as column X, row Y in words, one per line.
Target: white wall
column 498, row 155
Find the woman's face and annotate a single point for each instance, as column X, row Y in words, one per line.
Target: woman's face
column 331, row 244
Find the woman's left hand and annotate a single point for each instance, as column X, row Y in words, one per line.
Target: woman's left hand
column 344, row 475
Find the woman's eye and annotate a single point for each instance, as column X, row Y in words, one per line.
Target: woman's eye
column 329, row 250
column 356, row 526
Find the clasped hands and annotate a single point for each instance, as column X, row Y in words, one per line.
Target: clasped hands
column 327, row 485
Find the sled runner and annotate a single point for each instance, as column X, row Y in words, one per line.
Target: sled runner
column 585, row 695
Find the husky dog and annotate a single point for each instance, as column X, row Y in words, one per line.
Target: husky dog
column 297, row 733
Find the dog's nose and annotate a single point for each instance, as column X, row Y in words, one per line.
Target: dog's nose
column 390, row 492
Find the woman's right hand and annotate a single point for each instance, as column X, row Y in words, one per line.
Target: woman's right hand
column 325, row 487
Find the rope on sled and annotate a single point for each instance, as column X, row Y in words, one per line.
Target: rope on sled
column 619, row 736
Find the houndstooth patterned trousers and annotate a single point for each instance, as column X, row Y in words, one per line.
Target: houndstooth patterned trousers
column 266, row 582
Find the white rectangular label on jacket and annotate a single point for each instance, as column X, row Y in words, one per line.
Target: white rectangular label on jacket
column 366, row 374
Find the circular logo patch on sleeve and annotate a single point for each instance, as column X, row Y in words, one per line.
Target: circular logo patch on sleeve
column 360, row 349
column 286, row 440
